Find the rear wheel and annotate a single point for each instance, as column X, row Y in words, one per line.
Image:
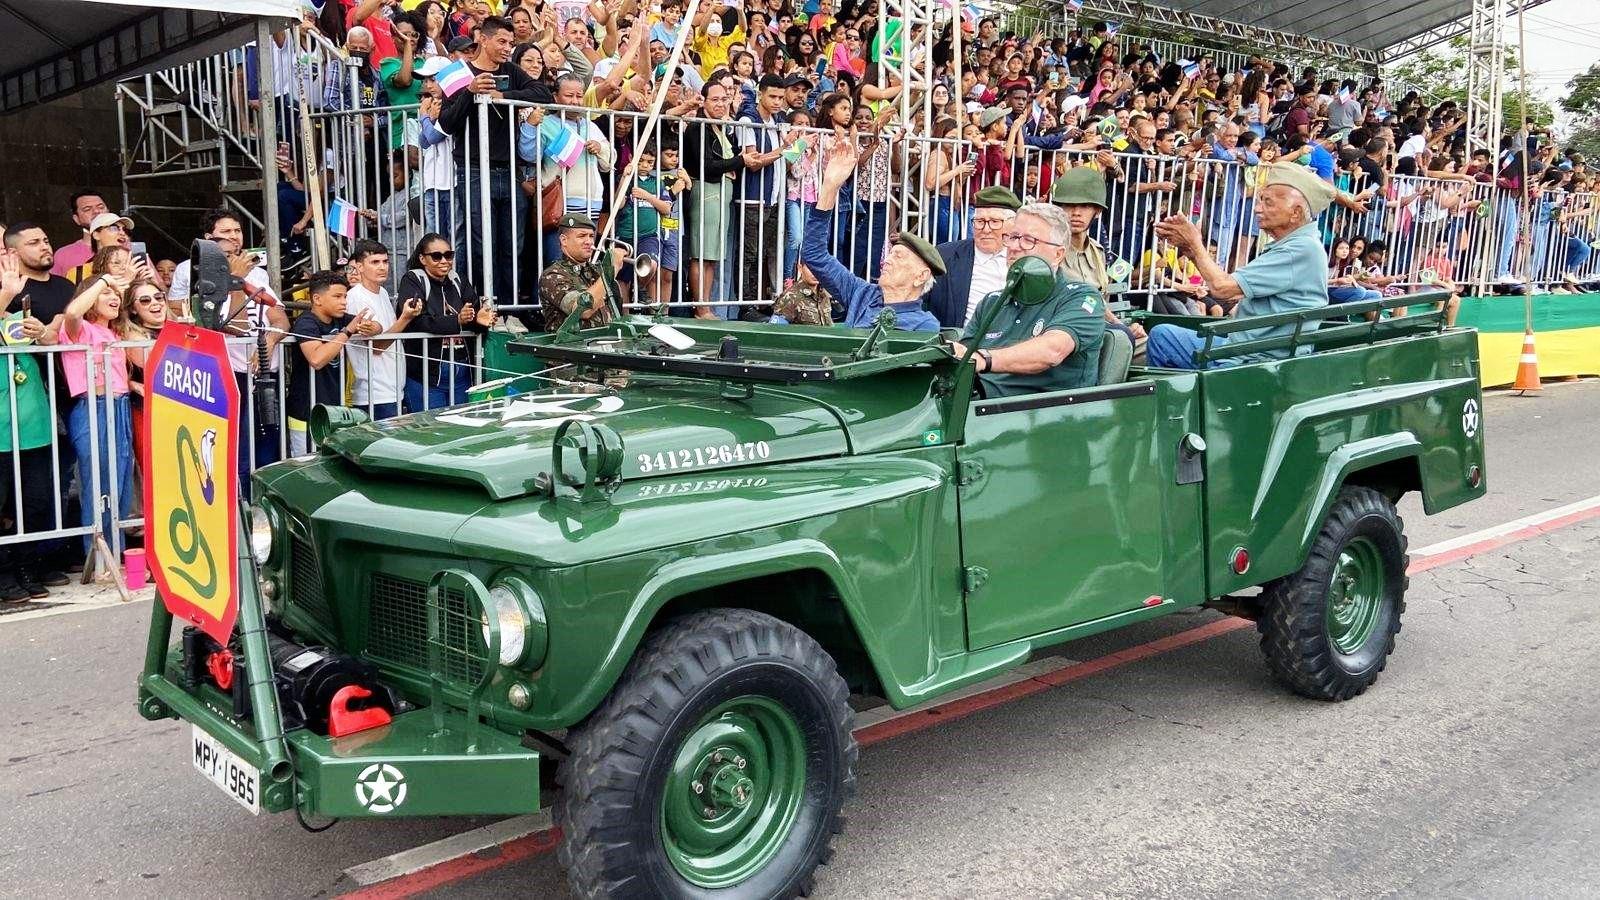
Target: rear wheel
column 716, row 767
column 1328, row 629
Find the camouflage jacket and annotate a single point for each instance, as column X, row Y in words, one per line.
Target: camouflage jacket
column 561, row 278
column 804, row 304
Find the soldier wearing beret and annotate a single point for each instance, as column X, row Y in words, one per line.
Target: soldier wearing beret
column 977, row 265
column 908, row 268
column 574, row 272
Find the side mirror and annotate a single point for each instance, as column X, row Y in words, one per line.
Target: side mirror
column 210, row 281
column 1030, row 281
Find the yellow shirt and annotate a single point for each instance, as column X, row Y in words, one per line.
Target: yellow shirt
column 713, row 51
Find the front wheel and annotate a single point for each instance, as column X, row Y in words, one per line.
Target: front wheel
column 1328, row 629
column 716, row 767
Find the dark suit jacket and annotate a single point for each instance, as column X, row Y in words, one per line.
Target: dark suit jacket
column 948, row 298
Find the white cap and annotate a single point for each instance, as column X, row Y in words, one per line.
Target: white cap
column 431, row 66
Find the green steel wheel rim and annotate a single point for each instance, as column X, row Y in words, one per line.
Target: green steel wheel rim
column 1355, row 596
column 733, row 792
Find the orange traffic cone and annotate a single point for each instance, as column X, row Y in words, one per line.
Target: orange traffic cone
column 1527, row 366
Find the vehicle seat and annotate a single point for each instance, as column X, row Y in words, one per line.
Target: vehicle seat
column 1116, row 355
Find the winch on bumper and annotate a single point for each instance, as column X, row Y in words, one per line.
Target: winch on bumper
column 403, row 761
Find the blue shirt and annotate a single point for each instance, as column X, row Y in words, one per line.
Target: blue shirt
column 1290, row 275
column 862, row 301
column 1320, row 161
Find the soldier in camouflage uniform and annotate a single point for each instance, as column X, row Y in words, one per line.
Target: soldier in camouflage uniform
column 804, row 302
column 574, row 272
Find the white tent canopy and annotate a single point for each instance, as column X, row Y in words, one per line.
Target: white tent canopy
column 55, row 47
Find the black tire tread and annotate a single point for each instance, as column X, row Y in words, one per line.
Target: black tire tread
column 1293, row 633
column 610, row 749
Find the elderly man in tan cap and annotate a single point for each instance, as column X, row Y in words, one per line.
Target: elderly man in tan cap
column 1290, row 274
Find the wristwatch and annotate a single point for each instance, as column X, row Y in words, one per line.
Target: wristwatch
column 988, row 361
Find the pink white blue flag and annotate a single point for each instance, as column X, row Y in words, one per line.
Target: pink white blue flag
column 453, row 78
column 970, row 14
column 1344, row 95
column 1074, row 5
column 561, row 143
column 1190, row 67
column 342, row 218
column 1112, row 28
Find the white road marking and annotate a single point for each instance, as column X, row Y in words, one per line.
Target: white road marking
column 445, row 849
column 1506, row 528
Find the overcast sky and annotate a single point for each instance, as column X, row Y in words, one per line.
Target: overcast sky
column 1563, row 40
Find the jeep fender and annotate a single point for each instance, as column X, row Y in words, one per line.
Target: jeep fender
column 1349, row 460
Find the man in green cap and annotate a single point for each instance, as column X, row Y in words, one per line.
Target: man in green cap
column 908, row 269
column 575, row 273
column 977, row 265
column 1081, row 193
column 1052, row 346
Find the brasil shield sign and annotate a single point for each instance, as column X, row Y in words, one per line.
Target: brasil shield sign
column 191, row 489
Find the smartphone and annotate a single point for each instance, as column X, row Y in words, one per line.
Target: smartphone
column 137, row 249
column 502, row 83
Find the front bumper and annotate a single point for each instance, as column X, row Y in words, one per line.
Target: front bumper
column 446, row 767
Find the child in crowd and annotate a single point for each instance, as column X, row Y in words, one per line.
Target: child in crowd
column 316, row 371
column 675, row 180
column 639, row 224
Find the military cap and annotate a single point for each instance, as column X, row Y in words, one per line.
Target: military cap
column 925, row 251
column 996, row 196
column 573, row 220
column 992, row 115
column 1079, row 185
column 1318, row 193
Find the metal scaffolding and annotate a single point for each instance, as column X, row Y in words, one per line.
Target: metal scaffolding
column 1485, row 61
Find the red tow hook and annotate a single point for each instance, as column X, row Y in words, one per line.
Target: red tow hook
column 220, row 665
column 343, row 720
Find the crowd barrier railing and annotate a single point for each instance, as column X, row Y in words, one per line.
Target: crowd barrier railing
column 484, row 191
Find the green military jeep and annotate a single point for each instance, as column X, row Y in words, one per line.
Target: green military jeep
column 663, row 594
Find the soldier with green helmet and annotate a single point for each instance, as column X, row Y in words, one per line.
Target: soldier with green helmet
column 1081, row 193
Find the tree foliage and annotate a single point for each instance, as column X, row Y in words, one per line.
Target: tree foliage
column 1443, row 73
column 1583, row 98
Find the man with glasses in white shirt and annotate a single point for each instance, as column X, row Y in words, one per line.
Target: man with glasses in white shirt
column 976, row 265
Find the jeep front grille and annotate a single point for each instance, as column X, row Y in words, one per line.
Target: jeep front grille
column 397, row 628
column 305, row 581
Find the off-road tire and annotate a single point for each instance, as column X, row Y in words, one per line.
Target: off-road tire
column 1296, row 634
column 614, row 782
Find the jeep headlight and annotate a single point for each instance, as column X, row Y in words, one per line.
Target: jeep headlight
column 520, row 616
column 263, row 533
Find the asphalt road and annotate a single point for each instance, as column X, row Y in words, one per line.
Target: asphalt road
column 1468, row 770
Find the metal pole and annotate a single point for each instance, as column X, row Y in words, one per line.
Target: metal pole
column 266, row 89
column 485, row 213
column 1526, row 238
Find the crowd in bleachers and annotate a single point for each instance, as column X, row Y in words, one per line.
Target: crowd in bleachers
column 764, row 86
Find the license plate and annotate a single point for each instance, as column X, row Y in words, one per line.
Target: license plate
column 233, row 775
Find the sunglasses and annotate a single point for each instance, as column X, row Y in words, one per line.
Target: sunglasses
column 440, row 255
column 153, row 298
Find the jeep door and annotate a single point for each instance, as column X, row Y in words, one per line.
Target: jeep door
column 1061, row 505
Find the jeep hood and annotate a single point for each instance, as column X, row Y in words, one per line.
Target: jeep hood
column 667, row 426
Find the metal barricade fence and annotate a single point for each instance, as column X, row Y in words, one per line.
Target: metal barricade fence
column 733, row 253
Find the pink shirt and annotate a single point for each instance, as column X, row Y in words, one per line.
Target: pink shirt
column 70, row 257
column 76, row 364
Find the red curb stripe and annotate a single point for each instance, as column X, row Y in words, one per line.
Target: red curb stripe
column 542, row 842
column 1495, row 543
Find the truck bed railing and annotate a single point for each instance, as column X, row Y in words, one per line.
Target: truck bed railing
column 1318, row 337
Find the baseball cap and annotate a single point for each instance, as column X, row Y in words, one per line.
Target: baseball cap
column 110, row 218
column 458, row 44
column 431, row 66
column 992, row 115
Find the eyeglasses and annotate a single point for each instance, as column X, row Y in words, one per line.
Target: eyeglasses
column 440, row 255
column 988, row 224
column 1027, row 241
column 852, row 37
